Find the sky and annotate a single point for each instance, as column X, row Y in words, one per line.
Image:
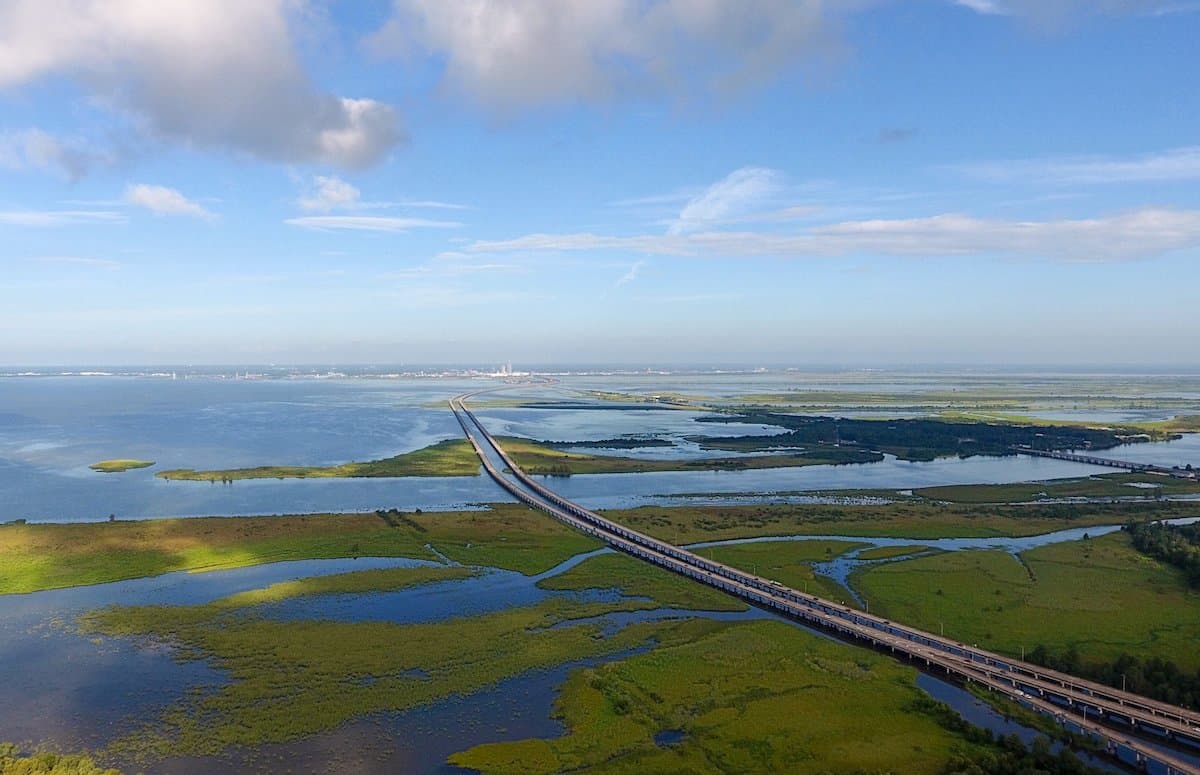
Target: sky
column 646, row 182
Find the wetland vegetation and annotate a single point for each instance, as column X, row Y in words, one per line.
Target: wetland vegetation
column 913, row 519
column 1099, row 596
column 453, row 457
column 1156, row 677
column 14, row 762
column 540, row 459
column 1178, row 545
column 46, row 556
column 1116, row 485
column 635, row 578
column 758, row 697
column 292, row 678
column 729, row 692
column 908, row 438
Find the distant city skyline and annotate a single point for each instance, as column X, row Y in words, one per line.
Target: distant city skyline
column 662, row 182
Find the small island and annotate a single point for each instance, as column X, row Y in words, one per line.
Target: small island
column 117, row 466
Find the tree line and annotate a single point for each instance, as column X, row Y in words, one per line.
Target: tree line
column 1177, row 545
column 916, row 439
column 1153, row 677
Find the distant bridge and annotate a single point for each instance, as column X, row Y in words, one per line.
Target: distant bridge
column 1107, row 715
column 1140, row 468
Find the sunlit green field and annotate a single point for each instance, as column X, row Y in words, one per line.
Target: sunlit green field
column 512, row 536
column 903, row 519
column 1100, row 595
column 755, row 697
column 1103, row 486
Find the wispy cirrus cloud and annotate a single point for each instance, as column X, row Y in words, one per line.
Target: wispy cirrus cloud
column 430, row 204
column 375, row 223
column 95, row 263
column 1057, row 11
column 631, row 275
column 162, row 200
column 985, row 7
column 1175, row 164
column 51, row 218
column 328, row 192
column 738, row 193
column 1143, row 233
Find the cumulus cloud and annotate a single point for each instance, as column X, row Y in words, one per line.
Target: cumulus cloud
column 161, row 200
column 1162, row 167
column 737, row 194
column 514, row 54
column 217, row 74
column 1124, row 236
column 367, row 223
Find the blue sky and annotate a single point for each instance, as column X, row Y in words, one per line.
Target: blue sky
column 867, row 182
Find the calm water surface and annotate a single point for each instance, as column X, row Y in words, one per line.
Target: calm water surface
column 52, row 428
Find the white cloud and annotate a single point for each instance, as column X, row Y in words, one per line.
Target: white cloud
column 986, row 7
column 45, row 218
column 329, row 193
column 1054, row 12
column 432, row 204
column 1138, row 234
column 1163, row 167
column 38, row 149
column 220, row 74
column 98, row 263
column 738, row 193
column 367, row 223
column 514, row 54
column 631, row 275
column 161, row 200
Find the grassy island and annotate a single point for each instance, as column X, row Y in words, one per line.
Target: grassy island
column 541, row 458
column 119, row 465
column 453, row 457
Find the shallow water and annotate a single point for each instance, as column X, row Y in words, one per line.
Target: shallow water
column 52, row 428
column 78, row 692
column 1182, row 452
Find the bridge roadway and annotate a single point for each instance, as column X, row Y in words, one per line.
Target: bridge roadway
column 1079, row 705
column 1148, row 468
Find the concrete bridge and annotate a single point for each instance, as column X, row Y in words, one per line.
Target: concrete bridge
column 1147, row 468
